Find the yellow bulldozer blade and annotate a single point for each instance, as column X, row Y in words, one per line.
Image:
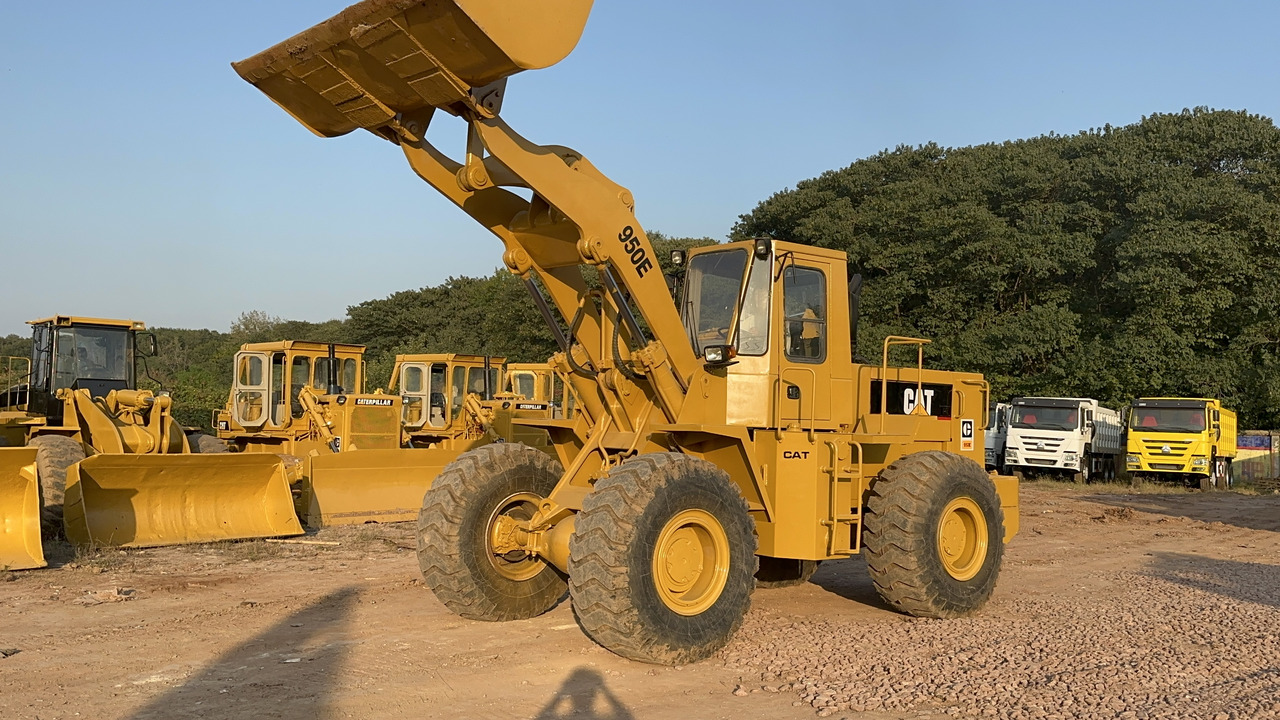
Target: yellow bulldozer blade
column 20, row 547
column 363, row 486
column 149, row 500
column 378, row 58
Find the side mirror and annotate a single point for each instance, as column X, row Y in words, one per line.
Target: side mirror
column 146, row 344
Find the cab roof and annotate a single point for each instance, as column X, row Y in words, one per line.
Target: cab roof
column 494, row 360
column 73, row 320
column 304, row 346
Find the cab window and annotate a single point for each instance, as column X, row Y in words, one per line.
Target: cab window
column 348, row 375
column 438, row 410
column 804, row 293
column 476, row 382
column 277, row 389
column 457, row 391
column 299, row 376
column 413, row 379
column 523, row 384
column 251, row 371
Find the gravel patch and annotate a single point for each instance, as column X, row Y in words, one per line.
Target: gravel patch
column 1189, row 637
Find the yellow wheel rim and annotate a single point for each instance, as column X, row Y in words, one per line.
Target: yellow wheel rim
column 518, row 565
column 962, row 538
column 691, row 562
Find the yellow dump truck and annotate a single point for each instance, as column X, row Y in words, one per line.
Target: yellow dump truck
column 110, row 458
column 1187, row 440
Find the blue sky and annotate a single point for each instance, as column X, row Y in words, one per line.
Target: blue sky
column 140, row 177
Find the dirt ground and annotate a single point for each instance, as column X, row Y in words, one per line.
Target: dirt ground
column 1110, row 605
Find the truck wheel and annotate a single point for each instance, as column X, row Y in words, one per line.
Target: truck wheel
column 54, row 454
column 205, row 444
column 662, row 559
column 455, row 530
column 933, row 535
column 783, row 572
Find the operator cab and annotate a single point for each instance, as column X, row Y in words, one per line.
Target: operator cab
column 81, row 354
column 728, row 294
column 269, row 378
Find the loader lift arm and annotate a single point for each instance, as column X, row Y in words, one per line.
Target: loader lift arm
column 375, row 67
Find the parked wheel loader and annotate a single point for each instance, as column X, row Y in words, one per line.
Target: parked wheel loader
column 713, row 440
column 453, row 401
column 107, row 452
column 366, row 457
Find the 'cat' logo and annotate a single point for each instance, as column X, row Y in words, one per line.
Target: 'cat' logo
column 795, row 454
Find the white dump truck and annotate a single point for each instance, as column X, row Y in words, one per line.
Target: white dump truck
column 1064, row 436
column 996, row 434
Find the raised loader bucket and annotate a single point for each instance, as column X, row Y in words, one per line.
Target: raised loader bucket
column 149, row 500
column 20, row 547
column 378, row 58
column 363, row 486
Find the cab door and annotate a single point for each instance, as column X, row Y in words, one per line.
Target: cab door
column 250, row 393
column 805, row 333
column 422, row 388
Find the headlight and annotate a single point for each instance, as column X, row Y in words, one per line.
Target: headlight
column 1011, row 453
column 1200, row 462
column 718, row 354
column 1132, row 460
column 1070, row 456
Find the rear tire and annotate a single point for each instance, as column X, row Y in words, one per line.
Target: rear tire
column 934, row 535
column 783, row 572
column 454, row 530
column 662, row 559
column 203, row 444
column 54, row 454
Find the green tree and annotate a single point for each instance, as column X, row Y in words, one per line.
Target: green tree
column 1118, row 262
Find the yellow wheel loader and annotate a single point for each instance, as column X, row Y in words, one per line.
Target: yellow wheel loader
column 728, row 436
column 106, row 451
column 364, row 457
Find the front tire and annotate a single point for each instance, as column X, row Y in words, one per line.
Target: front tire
column 934, row 535
column 54, row 454
column 662, row 559
column 455, row 526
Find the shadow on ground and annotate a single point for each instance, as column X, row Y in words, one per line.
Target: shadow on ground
column 290, row 670
column 1240, row 581
column 1253, row 512
column 584, row 696
column 848, row 579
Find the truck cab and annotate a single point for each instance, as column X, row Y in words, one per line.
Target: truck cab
column 996, row 435
column 1186, row 440
column 1072, row 437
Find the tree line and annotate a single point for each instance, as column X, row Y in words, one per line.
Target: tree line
column 1115, row 263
